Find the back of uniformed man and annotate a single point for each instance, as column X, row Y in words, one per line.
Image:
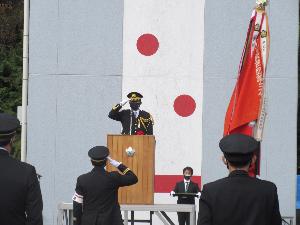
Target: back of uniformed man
column 95, row 201
column 20, row 194
column 239, row 199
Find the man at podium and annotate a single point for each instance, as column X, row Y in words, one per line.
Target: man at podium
column 186, row 191
column 134, row 121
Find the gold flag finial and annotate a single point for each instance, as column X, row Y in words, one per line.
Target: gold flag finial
column 261, row 4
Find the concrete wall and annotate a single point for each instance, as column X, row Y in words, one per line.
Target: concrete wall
column 75, row 77
column 226, row 27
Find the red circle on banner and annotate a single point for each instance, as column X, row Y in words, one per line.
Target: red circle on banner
column 147, row 44
column 184, row 105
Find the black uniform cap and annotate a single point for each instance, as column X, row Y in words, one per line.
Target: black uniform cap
column 135, row 96
column 98, row 153
column 8, row 126
column 238, row 148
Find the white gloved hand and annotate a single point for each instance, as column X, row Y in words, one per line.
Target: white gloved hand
column 172, row 193
column 113, row 162
column 123, row 102
column 198, row 195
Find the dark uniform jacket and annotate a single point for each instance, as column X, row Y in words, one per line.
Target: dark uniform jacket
column 192, row 188
column 19, row 193
column 99, row 190
column 239, row 200
column 142, row 125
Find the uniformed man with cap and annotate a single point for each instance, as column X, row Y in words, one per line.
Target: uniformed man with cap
column 20, row 194
column 95, row 201
column 239, row 199
column 134, row 121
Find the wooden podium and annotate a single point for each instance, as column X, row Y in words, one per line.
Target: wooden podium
column 141, row 163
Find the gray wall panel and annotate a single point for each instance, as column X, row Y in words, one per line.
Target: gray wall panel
column 279, row 146
column 283, row 19
column 224, row 39
column 43, row 37
column 75, row 78
column 216, row 93
column 226, row 24
column 90, row 33
column 41, row 144
column 67, row 116
column 82, row 123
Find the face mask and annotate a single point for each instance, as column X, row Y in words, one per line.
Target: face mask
column 187, row 177
column 134, row 106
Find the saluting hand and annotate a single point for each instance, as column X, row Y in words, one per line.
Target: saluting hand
column 123, row 102
column 113, row 162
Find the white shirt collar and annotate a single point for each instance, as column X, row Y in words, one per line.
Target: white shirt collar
column 136, row 112
column 186, row 181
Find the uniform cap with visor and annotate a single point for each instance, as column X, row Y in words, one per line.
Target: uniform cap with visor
column 238, row 148
column 8, row 126
column 135, row 97
column 98, row 153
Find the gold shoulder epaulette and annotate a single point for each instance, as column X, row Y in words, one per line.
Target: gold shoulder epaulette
column 151, row 118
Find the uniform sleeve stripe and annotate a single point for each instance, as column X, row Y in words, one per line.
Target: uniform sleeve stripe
column 125, row 171
column 78, row 195
column 77, row 198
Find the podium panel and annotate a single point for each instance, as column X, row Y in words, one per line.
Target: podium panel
column 142, row 163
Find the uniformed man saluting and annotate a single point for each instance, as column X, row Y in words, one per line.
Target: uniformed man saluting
column 20, row 194
column 95, row 201
column 239, row 199
column 134, row 121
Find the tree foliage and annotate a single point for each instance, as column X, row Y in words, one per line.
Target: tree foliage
column 11, row 55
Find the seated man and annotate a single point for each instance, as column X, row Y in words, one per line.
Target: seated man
column 134, row 121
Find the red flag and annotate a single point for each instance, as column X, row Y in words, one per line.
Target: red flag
column 246, row 111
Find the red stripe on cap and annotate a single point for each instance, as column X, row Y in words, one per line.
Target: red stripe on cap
column 166, row 183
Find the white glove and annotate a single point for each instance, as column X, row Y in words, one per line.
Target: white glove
column 123, row 102
column 172, row 193
column 198, row 195
column 113, row 162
